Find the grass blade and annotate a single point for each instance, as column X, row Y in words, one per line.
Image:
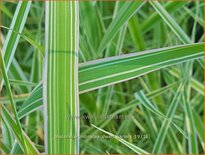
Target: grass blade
column 131, row 146
column 60, row 87
column 124, row 14
column 26, row 142
column 170, row 22
column 88, row 71
column 65, row 75
column 136, row 33
column 196, row 85
column 166, row 123
column 131, row 105
column 199, row 126
column 27, row 38
column 145, row 102
column 17, row 25
column 114, row 48
column 154, row 18
column 34, row 101
column 16, row 127
column 190, row 126
column 151, row 107
column 89, row 16
column 16, row 72
column 122, row 68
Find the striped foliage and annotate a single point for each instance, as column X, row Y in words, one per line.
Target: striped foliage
column 131, row 146
column 140, row 89
column 122, row 68
column 15, row 126
column 60, row 84
column 166, row 123
column 88, row 73
column 17, row 25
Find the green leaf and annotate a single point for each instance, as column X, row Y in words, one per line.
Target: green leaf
column 89, row 17
column 27, row 38
column 130, row 145
column 130, row 105
column 190, row 126
column 60, row 84
column 17, row 73
column 153, row 108
column 145, row 102
column 33, row 102
column 196, row 85
column 108, row 71
column 136, row 33
column 25, row 143
column 21, row 83
column 15, row 126
column 199, row 20
column 170, row 22
column 17, row 25
column 124, row 14
column 170, row 7
column 166, row 123
column 199, row 126
column 157, row 59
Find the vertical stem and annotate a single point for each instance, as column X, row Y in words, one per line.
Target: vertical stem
column 61, row 78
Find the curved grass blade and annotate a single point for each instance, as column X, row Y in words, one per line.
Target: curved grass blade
column 24, row 144
column 196, row 85
column 145, row 102
column 17, row 25
column 197, row 19
column 26, row 38
column 33, row 102
column 6, row 11
column 154, row 18
column 170, row 22
column 130, row 145
column 60, row 84
column 166, row 123
column 150, row 106
column 124, row 14
column 131, row 105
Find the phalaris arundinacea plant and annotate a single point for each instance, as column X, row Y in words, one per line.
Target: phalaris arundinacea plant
column 101, row 77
